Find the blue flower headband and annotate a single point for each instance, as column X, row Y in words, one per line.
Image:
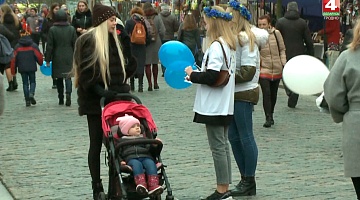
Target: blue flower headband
column 213, row 13
column 241, row 8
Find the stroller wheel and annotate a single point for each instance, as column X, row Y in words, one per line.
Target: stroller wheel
column 169, row 197
column 156, row 197
column 102, row 196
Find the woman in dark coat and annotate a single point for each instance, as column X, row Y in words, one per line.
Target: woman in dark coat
column 99, row 73
column 137, row 50
column 59, row 50
column 81, row 21
column 47, row 24
column 12, row 23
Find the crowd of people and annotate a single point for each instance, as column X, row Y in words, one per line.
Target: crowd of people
column 103, row 54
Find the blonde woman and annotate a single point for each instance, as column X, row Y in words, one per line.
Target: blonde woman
column 341, row 90
column 214, row 106
column 241, row 136
column 100, row 71
column 11, row 22
column 273, row 59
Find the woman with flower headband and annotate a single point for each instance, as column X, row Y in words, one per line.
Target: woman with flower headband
column 241, row 136
column 214, row 106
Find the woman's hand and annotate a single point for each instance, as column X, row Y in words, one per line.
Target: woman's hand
column 188, row 70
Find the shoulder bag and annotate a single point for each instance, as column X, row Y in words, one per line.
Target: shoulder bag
column 224, row 75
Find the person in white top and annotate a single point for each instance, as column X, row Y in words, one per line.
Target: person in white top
column 214, row 106
column 241, row 134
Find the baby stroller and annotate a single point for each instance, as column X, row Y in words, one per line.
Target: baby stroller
column 121, row 180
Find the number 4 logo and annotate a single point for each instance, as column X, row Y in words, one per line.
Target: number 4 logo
column 331, row 7
column 331, row 4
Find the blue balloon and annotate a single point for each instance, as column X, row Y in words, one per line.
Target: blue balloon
column 2, row 1
column 175, row 55
column 176, row 79
column 47, row 71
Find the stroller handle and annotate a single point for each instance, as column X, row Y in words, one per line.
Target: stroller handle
column 118, row 95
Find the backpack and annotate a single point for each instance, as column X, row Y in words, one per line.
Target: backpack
column 6, row 51
column 138, row 35
column 152, row 28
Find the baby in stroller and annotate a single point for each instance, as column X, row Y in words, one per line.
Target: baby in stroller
column 138, row 157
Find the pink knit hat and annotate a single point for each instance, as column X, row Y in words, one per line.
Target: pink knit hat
column 126, row 122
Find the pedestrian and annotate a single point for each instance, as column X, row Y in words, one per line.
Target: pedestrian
column 11, row 22
column 47, row 24
column 273, row 59
column 26, row 57
column 295, row 33
column 59, row 49
column 138, row 50
column 156, row 34
column 2, row 94
column 171, row 26
column 214, row 106
column 82, row 19
column 341, row 91
column 241, row 135
column 189, row 33
column 139, row 157
column 99, row 73
column 34, row 23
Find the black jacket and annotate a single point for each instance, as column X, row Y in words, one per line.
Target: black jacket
column 82, row 20
column 134, row 151
column 27, row 54
column 91, row 87
column 295, row 33
column 9, row 23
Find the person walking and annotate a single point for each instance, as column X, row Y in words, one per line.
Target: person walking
column 214, row 106
column 273, row 59
column 171, row 26
column 138, row 50
column 82, row 19
column 341, row 90
column 12, row 23
column 47, row 24
column 295, row 33
column 33, row 22
column 111, row 74
column 156, row 34
column 59, row 50
column 241, row 135
column 189, row 34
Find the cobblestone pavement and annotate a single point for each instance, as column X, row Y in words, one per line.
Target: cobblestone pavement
column 43, row 151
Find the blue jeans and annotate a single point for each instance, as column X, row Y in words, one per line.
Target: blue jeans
column 29, row 84
column 242, row 139
column 138, row 165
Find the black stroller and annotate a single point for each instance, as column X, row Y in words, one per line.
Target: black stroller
column 121, row 180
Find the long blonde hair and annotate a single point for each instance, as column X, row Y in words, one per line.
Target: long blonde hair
column 6, row 9
column 219, row 27
column 241, row 24
column 100, row 56
column 356, row 39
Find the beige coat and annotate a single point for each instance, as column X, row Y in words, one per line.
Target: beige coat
column 272, row 61
column 342, row 93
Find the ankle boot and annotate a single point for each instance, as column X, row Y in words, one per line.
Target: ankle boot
column 98, row 189
column 68, row 100
column 154, row 187
column 141, row 186
column 141, row 84
column 11, row 86
column 61, row 99
column 132, row 84
column 272, row 119
column 246, row 187
column 15, row 84
column 267, row 123
column 148, row 73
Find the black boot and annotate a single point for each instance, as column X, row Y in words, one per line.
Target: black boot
column 32, row 99
column 272, row 119
column 98, row 190
column 246, row 187
column 68, row 100
column 61, row 99
column 15, row 83
column 132, row 84
column 267, row 123
column 11, row 86
column 141, row 84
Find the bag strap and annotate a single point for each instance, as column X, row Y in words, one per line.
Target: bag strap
column 223, row 50
column 277, row 42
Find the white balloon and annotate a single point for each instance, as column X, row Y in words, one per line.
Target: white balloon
column 305, row 75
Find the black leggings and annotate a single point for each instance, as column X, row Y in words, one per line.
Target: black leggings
column 96, row 135
column 356, row 182
column 269, row 90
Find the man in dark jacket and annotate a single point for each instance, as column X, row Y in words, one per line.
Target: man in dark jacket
column 295, row 33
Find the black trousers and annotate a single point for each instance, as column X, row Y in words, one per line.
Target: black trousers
column 293, row 97
column 356, row 182
column 95, row 135
column 269, row 90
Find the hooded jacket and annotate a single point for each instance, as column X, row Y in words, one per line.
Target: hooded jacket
column 295, row 33
column 26, row 55
column 171, row 24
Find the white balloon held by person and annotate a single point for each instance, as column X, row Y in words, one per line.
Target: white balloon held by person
column 305, row 75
